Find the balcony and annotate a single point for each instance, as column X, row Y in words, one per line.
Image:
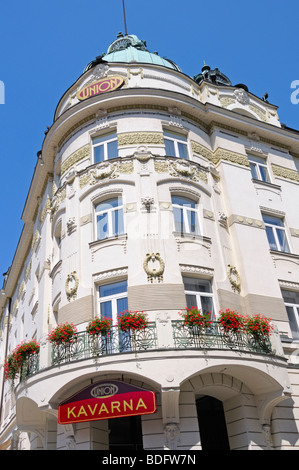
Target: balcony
column 177, row 336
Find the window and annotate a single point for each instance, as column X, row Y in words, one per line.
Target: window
column 175, row 145
column 259, row 170
column 105, row 147
column 109, row 217
column 113, row 299
column 291, row 300
column 185, row 214
column 199, row 294
column 276, row 233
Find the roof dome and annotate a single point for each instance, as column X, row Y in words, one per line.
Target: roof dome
column 130, row 49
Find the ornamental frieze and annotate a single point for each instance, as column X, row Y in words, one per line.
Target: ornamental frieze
column 180, row 169
column 219, row 154
column 47, row 208
column 57, row 200
column 138, row 138
column 105, row 170
column 285, row 173
column 80, row 154
column 233, row 157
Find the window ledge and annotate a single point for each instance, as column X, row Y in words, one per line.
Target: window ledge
column 190, row 236
column 284, row 254
column 116, row 239
column 266, row 184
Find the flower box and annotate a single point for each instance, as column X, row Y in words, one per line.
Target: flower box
column 231, row 321
column 258, row 326
column 99, row 326
column 63, row 334
column 193, row 318
column 18, row 356
column 131, row 321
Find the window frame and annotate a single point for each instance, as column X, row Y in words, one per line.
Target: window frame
column 199, row 294
column 104, row 144
column 274, row 229
column 259, row 162
column 113, row 298
column 110, row 219
column 293, row 315
column 185, row 210
column 176, row 138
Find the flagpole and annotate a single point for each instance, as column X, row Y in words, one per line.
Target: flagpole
column 126, row 33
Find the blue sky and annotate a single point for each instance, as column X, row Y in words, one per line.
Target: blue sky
column 44, row 47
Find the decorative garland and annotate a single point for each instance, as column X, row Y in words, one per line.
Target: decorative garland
column 154, row 273
column 234, row 278
column 71, row 291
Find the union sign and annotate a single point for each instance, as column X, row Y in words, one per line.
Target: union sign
column 99, row 87
column 104, row 400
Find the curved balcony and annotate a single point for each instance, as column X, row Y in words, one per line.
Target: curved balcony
column 149, row 339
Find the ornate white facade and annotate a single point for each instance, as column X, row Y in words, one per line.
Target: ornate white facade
column 174, row 138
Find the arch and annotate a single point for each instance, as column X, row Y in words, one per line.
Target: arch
column 243, row 112
column 30, row 418
column 249, row 395
column 82, row 381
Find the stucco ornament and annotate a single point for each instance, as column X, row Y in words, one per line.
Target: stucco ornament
column 71, row 285
column 152, row 272
column 234, row 278
column 172, row 434
column 241, row 96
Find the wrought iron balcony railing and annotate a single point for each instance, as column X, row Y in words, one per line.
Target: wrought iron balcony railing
column 214, row 337
column 86, row 346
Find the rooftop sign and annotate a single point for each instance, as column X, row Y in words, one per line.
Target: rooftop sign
column 104, row 400
column 99, row 87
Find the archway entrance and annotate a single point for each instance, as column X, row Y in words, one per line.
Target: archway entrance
column 212, row 425
column 125, row 433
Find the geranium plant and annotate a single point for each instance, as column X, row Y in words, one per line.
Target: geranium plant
column 193, row 317
column 63, row 334
column 259, row 326
column 129, row 320
column 231, row 321
column 18, row 356
column 99, row 326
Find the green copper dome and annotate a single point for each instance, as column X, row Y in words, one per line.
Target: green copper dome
column 129, row 49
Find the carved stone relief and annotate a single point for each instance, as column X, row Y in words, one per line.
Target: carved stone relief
column 71, row 285
column 234, row 278
column 154, row 273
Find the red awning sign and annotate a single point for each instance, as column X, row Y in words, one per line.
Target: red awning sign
column 105, row 400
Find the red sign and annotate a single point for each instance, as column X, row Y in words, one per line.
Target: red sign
column 102, row 86
column 105, row 400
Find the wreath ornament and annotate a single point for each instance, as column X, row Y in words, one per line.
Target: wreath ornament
column 153, row 273
column 71, row 285
column 234, row 278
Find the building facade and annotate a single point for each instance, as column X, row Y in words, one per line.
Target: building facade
column 156, row 192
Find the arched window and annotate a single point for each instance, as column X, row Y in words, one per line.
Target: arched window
column 109, row 218
column 185, row 214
